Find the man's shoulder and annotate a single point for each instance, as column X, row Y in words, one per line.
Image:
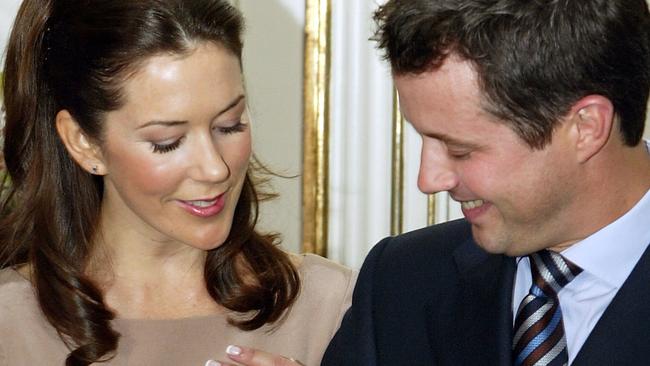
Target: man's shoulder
column 426, row 256
column 404, row 280
column 436, row 242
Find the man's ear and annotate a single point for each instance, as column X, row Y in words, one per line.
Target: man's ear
column 592, row 119
column 82, row 149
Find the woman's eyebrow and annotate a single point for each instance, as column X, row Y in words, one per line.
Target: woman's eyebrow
column 170, row 123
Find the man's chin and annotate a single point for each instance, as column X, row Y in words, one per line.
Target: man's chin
column 490, row 241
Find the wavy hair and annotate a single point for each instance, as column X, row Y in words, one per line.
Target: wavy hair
column 76, row 55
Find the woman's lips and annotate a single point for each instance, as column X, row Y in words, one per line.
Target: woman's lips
column 205, row 207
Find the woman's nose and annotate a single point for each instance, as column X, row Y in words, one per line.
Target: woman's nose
column 210, row 165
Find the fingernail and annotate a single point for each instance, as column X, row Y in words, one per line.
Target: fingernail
column 233, row 350
column 212, row 363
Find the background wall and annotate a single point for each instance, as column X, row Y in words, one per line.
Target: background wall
column 273, row 66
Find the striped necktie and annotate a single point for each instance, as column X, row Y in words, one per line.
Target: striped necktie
column 539, row 331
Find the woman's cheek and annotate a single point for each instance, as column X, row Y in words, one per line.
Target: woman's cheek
column 150, row 173
column 237, row 154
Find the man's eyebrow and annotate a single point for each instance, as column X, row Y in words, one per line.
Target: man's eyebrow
column 170, row 123
column 451, row 140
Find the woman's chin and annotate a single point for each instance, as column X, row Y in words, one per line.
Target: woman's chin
column 207, row 244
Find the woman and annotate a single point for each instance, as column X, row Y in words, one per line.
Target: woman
column 128, row 230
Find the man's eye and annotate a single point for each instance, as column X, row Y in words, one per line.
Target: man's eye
column 460, row 155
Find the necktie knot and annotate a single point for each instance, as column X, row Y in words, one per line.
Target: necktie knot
column 551, row 272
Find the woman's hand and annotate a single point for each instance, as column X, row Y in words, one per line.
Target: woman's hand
column 253, row 357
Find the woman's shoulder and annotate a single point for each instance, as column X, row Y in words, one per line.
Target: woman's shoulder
column 16, row 293
column 322, row 270
column 325, row 281
column 326, row 289
column 17, row 300
column 23, row 328
column 13, row 283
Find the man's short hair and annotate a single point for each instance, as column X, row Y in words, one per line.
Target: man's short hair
column 534, row 58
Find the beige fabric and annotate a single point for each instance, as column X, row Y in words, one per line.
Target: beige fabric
column 27, row 339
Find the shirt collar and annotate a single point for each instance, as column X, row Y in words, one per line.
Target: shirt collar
column 611, row 253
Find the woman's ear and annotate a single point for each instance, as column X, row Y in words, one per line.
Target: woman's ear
column 82, row 149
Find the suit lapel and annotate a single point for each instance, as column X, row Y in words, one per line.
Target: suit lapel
column 485, row 311
column 622, row 335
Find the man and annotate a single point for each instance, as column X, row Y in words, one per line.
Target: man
column 531, row 115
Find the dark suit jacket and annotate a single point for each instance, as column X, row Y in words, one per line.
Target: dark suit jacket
column 433, row 297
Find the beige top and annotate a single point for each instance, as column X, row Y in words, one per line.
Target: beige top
column 26, row 338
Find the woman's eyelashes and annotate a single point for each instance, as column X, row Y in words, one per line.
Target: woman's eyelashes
column 165, row 148
column 237, row 127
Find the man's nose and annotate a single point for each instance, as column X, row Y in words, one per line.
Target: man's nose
column 437, row 171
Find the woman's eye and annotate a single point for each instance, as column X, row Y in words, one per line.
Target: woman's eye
column 237, row 127
column 165, row 148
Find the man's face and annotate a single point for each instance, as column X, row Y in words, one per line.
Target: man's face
column 518, row 200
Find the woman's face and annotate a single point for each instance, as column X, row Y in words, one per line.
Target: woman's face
column 177, row 152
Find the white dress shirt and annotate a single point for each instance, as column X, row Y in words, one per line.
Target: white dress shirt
column 607, row 258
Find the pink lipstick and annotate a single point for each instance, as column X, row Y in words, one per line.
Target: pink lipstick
column 205, row 207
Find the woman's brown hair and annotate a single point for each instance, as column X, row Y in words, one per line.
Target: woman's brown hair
column 76, row 55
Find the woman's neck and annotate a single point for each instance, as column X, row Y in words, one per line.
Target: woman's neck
column 144, row 277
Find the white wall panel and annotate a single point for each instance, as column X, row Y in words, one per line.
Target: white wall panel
column 360, row 125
